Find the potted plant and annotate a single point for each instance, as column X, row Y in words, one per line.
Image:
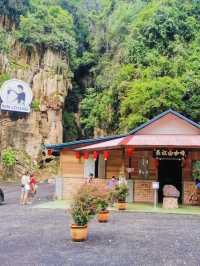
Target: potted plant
column 121, row 192
column 83, row 209
column 102, row 202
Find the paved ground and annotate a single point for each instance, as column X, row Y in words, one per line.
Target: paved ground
column 31, row 236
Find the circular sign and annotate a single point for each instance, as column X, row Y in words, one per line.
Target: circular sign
column 16, row 95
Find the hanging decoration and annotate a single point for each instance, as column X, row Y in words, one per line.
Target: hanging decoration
column 49, row 152
column 129, row 152
column 85, row 155
column 95, row 155
column 106, row 155
column 78, row 155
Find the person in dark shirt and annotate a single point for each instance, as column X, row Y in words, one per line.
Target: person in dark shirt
column 197, row 183
column 20, row 95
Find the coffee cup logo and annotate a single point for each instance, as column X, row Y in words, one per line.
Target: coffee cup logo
column 16, row 95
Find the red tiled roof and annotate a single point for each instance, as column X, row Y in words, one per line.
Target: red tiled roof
column 190, row 141
column 184, row 141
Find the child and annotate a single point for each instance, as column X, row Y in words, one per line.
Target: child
column 33, row 186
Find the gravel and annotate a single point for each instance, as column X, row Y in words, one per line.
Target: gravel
column 32, row 236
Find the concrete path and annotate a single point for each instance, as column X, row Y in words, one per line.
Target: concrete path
column 31, row 236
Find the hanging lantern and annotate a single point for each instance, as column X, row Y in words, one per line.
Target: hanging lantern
column 85, row 155
column 49, row 152
column 78, row 155
column 129, row 152
column 156, row 163
column 106, row 155
column 95, row 155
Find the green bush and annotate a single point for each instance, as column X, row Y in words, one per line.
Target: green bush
column 83, row 207
column 88, row 200
column 47, row 25
column 8, row 157
column 121, row 192
column 196, row 170
column 35, row 105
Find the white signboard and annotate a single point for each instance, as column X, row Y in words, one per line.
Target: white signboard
column 16, row 95
column 155, row 185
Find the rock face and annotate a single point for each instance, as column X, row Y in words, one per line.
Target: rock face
column 47, row 73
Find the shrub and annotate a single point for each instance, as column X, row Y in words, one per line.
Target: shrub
column 103, row 198
column 83, row 207
column 88, row 200
column 8, row 157
column 121, row 192
column 35, row 105
column 196, row 170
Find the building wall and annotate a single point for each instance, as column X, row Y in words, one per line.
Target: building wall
column 71, row 185
column 169, row 124
column 70, row 166
column 115, row 163
column 72, row 170
column 143, row 191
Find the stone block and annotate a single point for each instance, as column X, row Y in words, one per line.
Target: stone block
column 170, row 203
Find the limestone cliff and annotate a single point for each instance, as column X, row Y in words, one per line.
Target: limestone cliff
column 47, row 73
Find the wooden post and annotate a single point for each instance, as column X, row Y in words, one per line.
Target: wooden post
column 129, row 166
column 106, row 168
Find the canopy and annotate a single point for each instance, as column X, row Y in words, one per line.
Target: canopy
column 148, row 141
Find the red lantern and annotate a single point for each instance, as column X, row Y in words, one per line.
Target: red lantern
column 78, row 155
column 106, row 155
column 95, row 155
column 129, row 152
column 86, row 155
column 49, row 152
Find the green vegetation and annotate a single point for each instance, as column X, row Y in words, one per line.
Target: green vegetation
column 3, row 78
column 196, row 170
column 8, row 157
column 131, row 59
column 35, row 105
column 47, row 25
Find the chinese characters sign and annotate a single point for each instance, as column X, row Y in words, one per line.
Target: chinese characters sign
column 170, row 154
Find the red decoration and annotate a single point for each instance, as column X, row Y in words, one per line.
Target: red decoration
column 106, row 155
column 129, row 152
column 78, row 155
column 156, row 163
column 95, row 155
column 86, row 155
column 49, row 152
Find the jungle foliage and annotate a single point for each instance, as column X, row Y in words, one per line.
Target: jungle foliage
column 131, row 59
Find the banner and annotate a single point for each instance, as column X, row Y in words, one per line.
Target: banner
column 16, row 96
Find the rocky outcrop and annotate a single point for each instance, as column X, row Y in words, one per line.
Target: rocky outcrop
column 47, row 73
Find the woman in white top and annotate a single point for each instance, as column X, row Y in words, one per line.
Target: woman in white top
column 25, row 187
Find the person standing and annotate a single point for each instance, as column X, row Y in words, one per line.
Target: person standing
column 25, row 188
column 33, row 188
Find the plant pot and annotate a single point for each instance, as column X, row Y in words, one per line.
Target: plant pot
column 103, row 216
column 121, row 205
column 79, row 233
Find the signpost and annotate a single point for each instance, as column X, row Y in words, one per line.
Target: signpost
column 16, row 96
column 155, row 186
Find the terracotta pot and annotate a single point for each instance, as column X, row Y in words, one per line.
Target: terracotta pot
column 79, row 233
column 103, row 216
column 121, row 206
